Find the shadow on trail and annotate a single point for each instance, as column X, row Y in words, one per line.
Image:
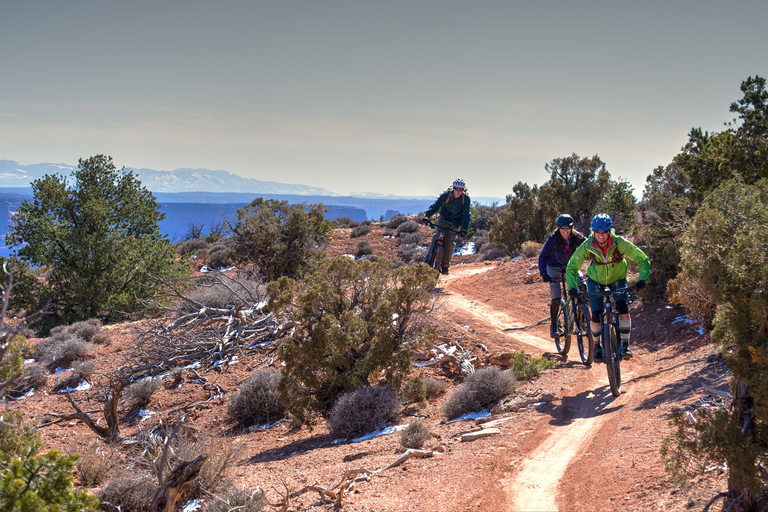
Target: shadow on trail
column 587, row 404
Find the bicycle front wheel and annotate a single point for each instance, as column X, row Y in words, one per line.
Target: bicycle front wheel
column 584, row 340
column 563, row 338
column 436, row 257
column 612, row 357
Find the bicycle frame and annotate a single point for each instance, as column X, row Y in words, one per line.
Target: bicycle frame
column 436, row 257
column 611, row 334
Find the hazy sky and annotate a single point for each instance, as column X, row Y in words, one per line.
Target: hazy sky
column 390, row 96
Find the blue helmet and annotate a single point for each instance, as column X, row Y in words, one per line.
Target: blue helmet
column 564, row 220
column 601, row 222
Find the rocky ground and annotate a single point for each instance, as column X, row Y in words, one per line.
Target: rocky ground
column 581, row 449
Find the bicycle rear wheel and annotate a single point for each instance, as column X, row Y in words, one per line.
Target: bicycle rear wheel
column 563, row 338
column 612, row 358
column 584, row 340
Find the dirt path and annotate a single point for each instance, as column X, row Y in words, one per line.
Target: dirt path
column 534, row 485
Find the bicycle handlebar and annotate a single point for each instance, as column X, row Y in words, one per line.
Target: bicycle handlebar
column 604, row 293
column 435, row 226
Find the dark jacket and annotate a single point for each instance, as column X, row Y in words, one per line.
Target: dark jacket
column 453, row 210
column 556, row 251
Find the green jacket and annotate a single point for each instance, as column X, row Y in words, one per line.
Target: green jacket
column 606, row 270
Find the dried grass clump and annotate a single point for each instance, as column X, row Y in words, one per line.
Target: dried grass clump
column 238, row 500
column 434, row 387
column 407, row 227
column 415, row 435
column 140, row 392
column 129, row 492
column 531, row 249
column 97, row 462
column 365, row 410
column 258, row 400
column 364, row 248
column 344, row 222
column 490, row 253
column 359, row 231
column 218, row 257
column 212, row 477
column 70, row 343
column 214, row 294
column 480, row 390
column 34, row 377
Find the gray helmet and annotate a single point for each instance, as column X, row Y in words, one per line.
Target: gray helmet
column 459, row 183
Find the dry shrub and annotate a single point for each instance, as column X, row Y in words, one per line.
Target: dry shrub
column 344, row 222
column 490, row 253
column 78, row 374
column 34, row 377
column 101, row 338
column 359, row 231
column 238, row 500
column 409, row 239
column 129, row 492
column 219, row 258
column 221, row 454
column 70, row 350
column 415, row 435
column 434, row 387
column 480, row 390
column 97, row 462
column 531, row 249
column 364, row 410
column 258, row 400
column 407, row 227
column 140, row 392
column 194, row 246
column 85, row 329
column 413, row 253
column 395, row 221
column 389, row 232
column 214, row 294
column 364, row 248
column 414, row 392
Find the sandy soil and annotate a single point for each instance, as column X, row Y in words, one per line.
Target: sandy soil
column 583, row 449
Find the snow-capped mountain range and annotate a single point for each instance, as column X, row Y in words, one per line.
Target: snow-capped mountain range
column 14, row 174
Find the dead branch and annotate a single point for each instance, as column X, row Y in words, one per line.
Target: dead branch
column 670, row 368
column 525, row 328
column 419, row 454
column 171, row 488
column 110, row 433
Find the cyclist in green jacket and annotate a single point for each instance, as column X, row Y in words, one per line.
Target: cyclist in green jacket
column 453, row 205
column 606, row 252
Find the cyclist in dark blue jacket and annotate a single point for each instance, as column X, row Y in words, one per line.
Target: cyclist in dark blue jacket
column 453, row 205
column 554, row 256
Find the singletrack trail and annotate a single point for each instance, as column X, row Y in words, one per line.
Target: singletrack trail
column 534, row 483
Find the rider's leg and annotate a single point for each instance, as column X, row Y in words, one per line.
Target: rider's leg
column 625, row 327
column 595, row 326
column 450, row 236
column 596, row 306
column 554, row 294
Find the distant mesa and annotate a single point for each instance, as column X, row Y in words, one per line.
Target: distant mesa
column 14, row 174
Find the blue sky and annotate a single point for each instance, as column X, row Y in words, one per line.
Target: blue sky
column 396, row 97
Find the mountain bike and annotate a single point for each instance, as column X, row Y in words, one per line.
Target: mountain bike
column 573, row 318
column 435, row 258
column 610, row 333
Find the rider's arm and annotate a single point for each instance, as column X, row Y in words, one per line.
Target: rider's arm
column 574, row 265
column 544, row 253
column 436, row 205
column 634, row 253
column 465, row 214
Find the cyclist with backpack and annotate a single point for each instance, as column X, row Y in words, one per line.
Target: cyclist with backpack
column 453, row 205
column 554, row 256
column 605, row 252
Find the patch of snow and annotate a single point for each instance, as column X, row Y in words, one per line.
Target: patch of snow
column 28, row 361
column 466, row 250
column 379, row 432
column 684, row 319
column 26, row 395
column 516, row 257
column 61, row 370
column 207, row 270
column 700, row 330
column 535, row 404
column 196, row 364
column 485, row 413
column 145, row 414
column 83, row 386
column 192, row 505
column 350, row 256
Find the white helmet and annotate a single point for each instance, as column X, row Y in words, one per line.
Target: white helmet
column 459, row 183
